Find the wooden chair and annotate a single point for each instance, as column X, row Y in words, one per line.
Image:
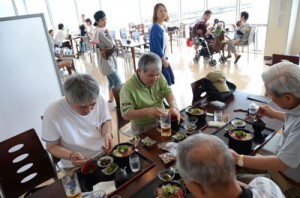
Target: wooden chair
column 199, row 95
column 24, row 164
column 121, row 122
column 249, row 38
column 126, row 56
column 276, row 58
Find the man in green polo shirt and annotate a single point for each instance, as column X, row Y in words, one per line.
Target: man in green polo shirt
column 141, row 97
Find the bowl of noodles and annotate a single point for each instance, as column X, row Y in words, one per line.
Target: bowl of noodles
column 121, row 153
column 240, row 140
column 198, row 112
column 170, row 190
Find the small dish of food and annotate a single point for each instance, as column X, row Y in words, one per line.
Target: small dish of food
column 178, row 136
column 167, row 157
column 238, row 123
column 135, row 141
column 104, row 161
column 166, row 175
column 170, row 189
column 88, row 168
column 109, row 170
column 148, row 141
column 190, row 128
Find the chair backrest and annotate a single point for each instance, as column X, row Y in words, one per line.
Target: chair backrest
column 24, row 164
column 119, row 48
column 120, row 120
column 199, row 95
column 182, row 30
column 252, row 35
column 244, row 39
column 141, row 29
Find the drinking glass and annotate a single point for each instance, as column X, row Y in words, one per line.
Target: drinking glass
column 99, row 194
column 165, row 124
column 190, row 125
column 134, row 162
column 218, row 116
column 253, row 108
column 71, row 185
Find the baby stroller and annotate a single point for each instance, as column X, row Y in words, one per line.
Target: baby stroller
column 210, row 44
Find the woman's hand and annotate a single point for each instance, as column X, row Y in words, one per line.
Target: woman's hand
column 165, row 63
column 77, row 159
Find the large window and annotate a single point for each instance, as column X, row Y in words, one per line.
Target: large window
column 64, row 11
column 21, row 7
column 258, row 10
column 223, row 10
column 120, row 13
column 6, row 8
column 33, row 7
column 173, row 11
column 88, row 7
column 147, row 10
column 191, row 10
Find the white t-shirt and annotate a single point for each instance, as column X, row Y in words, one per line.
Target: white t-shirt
column 166, row 43
column 59, row 37
column 74, row 131
column 262, row 187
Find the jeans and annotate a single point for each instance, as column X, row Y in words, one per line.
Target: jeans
column 113, row 80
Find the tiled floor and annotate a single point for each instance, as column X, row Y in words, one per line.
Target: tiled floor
column 245, row 74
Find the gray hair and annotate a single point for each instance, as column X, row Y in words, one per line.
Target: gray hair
column 206, row 160
column 149, row 60
column 81, row 89
column 281, row 78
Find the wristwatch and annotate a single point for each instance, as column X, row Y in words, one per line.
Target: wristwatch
column 240, row 161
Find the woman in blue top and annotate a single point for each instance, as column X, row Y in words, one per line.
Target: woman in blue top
column 159, row 40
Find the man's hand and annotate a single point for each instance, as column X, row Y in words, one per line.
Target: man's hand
column 174, row 111
column 265, row 110
column 155, row 112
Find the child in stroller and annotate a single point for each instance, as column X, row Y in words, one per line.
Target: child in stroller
column 210, row 43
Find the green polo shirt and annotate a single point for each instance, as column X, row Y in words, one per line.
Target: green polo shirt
column 135, row 95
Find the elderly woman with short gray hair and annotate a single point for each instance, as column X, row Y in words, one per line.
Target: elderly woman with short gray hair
column 78, row 126
column 282, row 83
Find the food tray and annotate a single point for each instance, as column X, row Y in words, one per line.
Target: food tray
column 88, row 181
column 149, row 190
column 223, row 134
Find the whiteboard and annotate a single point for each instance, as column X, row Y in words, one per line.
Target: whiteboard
column 29, row 77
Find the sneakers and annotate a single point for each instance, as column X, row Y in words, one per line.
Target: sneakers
column 112, row 104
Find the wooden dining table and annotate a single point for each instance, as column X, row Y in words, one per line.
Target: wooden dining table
column 234, row 109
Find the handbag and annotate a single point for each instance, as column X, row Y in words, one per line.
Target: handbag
column 108, row 52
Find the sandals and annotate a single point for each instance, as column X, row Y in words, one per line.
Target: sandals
column 237, row 59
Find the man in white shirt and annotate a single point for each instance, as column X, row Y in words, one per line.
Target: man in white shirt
column 78, row 126
column 208, row 169
column 60, row 37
